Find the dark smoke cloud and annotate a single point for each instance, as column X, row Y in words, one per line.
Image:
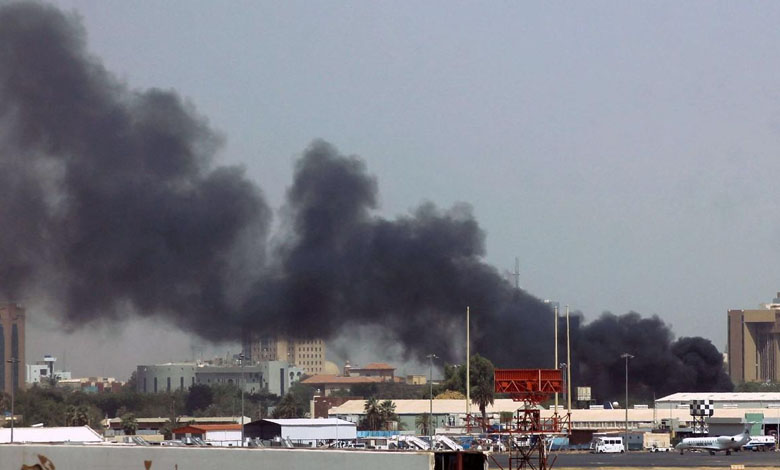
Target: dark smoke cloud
column 660, row 364
column 110, row 201
column 107, row 193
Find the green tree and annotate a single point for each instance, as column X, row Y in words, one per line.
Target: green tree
column 482, row 384
column 129, row 424
column 132, row 382
column 454, row 379
column 422, row 422
column 373, row 415
column 200, row 396
column 387, row 413
column 77, row 415
column 287, row 408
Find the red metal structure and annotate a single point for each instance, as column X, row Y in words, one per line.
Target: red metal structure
column 527, row 437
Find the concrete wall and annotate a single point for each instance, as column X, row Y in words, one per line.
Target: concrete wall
column 175, row 372
column 100, row 457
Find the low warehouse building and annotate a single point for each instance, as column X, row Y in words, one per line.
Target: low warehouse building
column 302, row 431
column 220, row 435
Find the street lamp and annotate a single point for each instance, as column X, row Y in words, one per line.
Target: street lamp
column 241, row 357
column 626, row 356
column 12, row 361
column 431, row 357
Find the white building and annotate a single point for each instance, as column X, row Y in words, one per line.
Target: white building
column 218, row 435
column 59, row 435
column 302, row 430
column 43, row 371
column 728, row 400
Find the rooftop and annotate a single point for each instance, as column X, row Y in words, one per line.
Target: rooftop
column 721, row 396
column 340, row 380
column 309, row 422
column 211, row 427
column 374, row 366
column 51, row 435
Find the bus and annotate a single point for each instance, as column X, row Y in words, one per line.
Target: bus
column 607, row 445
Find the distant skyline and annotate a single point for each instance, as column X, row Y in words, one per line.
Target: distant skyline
column 625, row 152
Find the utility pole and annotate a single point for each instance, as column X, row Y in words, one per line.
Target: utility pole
column 626, row 356
column 468, row 368
column 568, row 367
column 241, row 357
column 14, row 363
column 431, row 357
column 556, row 365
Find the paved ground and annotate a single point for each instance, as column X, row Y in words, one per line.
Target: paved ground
column 659, row 460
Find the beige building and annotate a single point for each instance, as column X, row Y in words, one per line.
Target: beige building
column 754, row 344
column 12, row 375
column 307, row 354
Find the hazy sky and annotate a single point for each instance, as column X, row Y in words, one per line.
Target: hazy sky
column 626, row 152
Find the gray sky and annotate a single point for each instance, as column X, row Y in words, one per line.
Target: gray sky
column 626, row 152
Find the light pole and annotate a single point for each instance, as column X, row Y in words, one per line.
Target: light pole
column 13, row 361
column 431, row 357
column 563, row 367
column 626, row 356
column 241, row 357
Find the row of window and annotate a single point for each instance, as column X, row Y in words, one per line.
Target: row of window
column 168, row 384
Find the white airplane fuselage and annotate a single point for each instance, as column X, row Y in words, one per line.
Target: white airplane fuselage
column 715, row 443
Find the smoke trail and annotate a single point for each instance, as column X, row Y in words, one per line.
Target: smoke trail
column 110, row 200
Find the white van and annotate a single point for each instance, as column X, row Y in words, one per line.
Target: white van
column 607, row 445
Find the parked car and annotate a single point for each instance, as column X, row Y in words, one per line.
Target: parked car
column 660, row 449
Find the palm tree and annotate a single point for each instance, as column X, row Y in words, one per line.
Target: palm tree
column 481, row 384
column 70, row 414
column 373, row 418
column 80, row 416
column 129, row 424
column 422, row 422
column 387, row 413
column 287, row 408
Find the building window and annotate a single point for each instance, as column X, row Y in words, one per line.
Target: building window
column 168, row 387
column 144, row 384
column 155, row 385
column 181, row 383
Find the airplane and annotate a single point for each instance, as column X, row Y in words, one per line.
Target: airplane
column 716, row 443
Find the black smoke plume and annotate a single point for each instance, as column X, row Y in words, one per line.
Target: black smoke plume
column 110, row 201
column 660, row 365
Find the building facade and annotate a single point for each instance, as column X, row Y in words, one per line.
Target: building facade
column 12, row 374
column 307, row 354
column 274, row 376
column 754, row 344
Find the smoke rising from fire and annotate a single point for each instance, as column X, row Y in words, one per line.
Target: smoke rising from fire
column 110, row 199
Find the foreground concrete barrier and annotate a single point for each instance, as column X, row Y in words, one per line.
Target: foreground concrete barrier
column 102, row 457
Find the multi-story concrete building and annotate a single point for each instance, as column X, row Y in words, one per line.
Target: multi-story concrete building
column 754, row 343
column 275, row 376
column 165, row 377
column 308, row 354
column 12, row 374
